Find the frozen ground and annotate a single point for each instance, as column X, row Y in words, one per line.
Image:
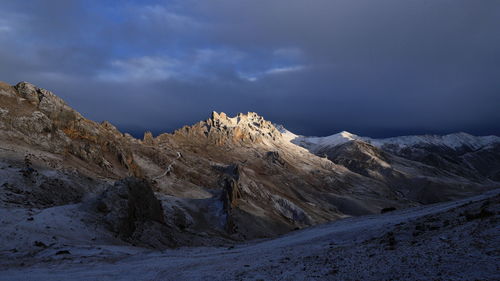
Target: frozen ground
column 448, row 241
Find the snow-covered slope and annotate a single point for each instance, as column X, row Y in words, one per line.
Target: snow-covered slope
column 436, row 242
column 287, row 135
column 316, row 143
column 453, row 141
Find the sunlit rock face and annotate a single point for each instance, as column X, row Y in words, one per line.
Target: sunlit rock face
column 220, row 130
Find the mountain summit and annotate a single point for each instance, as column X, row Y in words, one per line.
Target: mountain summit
column 221, row 129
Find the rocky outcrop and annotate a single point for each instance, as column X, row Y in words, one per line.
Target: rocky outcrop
column 132, row 211
column 275, row 158
column 222, row 130
column 231, row 193
column 38, row 117
column 148, row 139
column 289, row 210
column 230, row 189
column 48, row 103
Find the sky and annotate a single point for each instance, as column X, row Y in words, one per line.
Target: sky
column 375, row 68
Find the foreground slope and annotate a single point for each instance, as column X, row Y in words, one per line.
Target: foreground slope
column 434, row 242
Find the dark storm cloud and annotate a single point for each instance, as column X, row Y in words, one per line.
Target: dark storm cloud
column 376, row 68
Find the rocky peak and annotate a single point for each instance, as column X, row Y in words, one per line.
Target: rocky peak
column 148, row 138
column 37, row 117
column 251, row 123
column 242, row 128
column 47, row 102
column 251, row 118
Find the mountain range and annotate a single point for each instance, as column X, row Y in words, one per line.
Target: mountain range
column 67, row 180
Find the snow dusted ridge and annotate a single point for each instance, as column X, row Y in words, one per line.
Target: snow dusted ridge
column 316, row 143
column 287, row 135
column 453, row 141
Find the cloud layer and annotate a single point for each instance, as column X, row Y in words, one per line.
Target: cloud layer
column 376, row 68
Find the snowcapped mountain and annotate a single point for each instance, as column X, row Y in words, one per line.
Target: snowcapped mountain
column 462, row 155
column 453, row 141
column 287, row 135
column 316, row 143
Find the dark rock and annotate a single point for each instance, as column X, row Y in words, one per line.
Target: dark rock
column 275, row 157
column 63, row 252
column 40, row 244
column 484, row 213
column 388, row 209
column 134, row 213
column 230, row 194
column 233, row 171
column 230, row 186
column 27, row 172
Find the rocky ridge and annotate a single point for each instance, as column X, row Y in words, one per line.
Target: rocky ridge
column 39, row 118
column 220, row 130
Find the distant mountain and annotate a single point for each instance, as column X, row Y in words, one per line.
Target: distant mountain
column 464, row 155
column 457, row 141
column 220, row 180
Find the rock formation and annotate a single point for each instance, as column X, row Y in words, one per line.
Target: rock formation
column 37, row 117
column 133, row 212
